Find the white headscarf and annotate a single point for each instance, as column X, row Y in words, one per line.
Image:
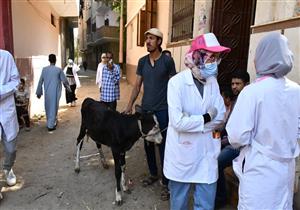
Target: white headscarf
column 273, row 56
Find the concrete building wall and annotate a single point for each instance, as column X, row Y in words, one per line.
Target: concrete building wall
column 34, row 33
column 266, row 13
column 270, row 14
column 34, row 39
column 113, row 18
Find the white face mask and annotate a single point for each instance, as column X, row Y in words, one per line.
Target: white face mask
column 209, row 70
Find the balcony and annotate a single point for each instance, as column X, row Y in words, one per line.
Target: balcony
column 102, row 35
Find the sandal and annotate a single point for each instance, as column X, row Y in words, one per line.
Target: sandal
column 149, row 180
column 165, row 194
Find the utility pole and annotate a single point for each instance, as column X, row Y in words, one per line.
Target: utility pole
column 121, row 33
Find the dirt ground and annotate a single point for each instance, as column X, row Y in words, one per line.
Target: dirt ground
column 45, row 166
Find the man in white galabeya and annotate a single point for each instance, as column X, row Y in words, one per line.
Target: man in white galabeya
column 265, row 124
column 9, row 127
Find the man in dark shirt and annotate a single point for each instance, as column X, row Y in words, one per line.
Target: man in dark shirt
column 154, row 71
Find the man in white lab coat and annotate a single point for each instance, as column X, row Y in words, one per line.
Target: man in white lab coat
column 196, row 109
column 265, row 122
column 9, row 127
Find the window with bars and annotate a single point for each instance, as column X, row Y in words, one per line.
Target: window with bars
column 182, row 19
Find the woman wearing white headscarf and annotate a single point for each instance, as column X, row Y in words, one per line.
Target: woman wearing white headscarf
column 71, row 73
column 265, row 122
column 99, row 70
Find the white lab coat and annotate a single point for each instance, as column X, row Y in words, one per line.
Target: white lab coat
column 265, row 121
column 191, row 152
column 75, row 69
column 9, row 81
column 99, row 74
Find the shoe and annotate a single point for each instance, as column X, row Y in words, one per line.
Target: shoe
column 149, row 180
column 165, row 193
column 27, row 129
column 11, row 179
column 52, row 129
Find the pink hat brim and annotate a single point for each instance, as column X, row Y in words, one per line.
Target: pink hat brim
column 216, row 49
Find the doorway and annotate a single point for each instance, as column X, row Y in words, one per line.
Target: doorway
column 231, row 21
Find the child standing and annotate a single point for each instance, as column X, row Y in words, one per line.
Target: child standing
column 22, row 102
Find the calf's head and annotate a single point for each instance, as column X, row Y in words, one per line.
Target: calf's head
column 149, row 127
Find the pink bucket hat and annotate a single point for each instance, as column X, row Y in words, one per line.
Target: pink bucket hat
column 208, row 42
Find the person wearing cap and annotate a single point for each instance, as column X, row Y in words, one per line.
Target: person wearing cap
column 268, row 131
column 196, row 109
column 154, row 71
column 71, row 73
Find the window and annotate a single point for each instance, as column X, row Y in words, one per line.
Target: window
column 53, row 20
column 182, row 19
column 141, row 28
column 106, row 22
column 146, row 19
column 93, row 27
column 151, row 13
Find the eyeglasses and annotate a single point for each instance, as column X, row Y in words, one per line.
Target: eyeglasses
column 208, row 57
column 203, row 56
column 103, row 57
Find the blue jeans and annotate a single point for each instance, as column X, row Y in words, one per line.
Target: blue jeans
column 163, row 120
column 225, row 158
column 10, row 151
column 204, row 195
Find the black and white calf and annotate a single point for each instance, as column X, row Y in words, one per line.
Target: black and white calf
column 118, row 131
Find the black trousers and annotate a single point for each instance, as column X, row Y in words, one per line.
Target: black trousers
column 70, row 96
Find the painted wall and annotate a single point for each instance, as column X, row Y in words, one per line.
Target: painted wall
column 179, row 49
column 135, row 52
column 34, row 39
column 280, row 10
column 268, row 11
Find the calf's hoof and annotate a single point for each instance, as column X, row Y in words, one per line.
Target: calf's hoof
column 128, row 191
column 118, row 203
column 77, row 170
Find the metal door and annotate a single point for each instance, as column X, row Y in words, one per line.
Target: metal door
column 231, row 21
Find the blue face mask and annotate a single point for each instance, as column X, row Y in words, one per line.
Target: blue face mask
column 209, row 70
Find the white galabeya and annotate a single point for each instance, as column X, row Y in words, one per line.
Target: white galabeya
column 11, row 179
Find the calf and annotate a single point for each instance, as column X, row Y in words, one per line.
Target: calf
column 118, row 131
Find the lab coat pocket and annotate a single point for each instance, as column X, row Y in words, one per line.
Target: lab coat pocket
column 188, row 149
column 214, row 147
column 239, row 163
